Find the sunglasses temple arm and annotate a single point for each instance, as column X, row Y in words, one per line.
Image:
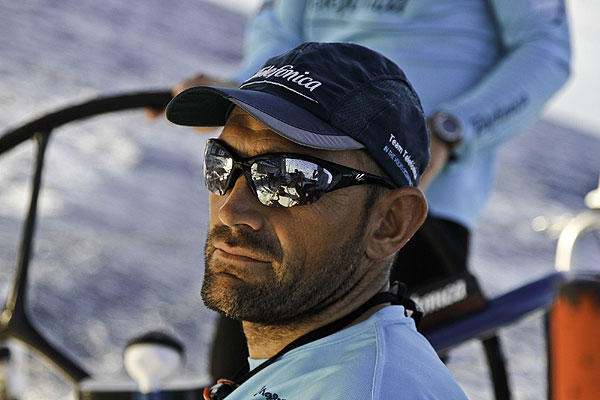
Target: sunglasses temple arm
column 360, row 179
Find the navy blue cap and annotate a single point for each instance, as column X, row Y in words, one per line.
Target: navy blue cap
column 335, row 96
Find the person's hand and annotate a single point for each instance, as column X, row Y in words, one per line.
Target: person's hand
column 439, row 158
column 197, row 80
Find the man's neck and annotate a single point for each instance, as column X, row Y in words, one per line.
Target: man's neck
column 264, row 341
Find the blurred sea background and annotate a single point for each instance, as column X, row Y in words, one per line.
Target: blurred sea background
column 123, row 208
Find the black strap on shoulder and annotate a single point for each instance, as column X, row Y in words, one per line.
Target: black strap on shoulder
column 395, row 296
column 411, row 308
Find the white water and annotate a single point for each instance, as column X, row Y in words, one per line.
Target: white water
column 123, row 209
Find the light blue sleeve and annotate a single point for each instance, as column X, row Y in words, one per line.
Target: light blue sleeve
column 274, row 29
column 536, row 63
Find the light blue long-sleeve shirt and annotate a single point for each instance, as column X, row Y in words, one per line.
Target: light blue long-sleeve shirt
column 491, row 63
column 382, row 358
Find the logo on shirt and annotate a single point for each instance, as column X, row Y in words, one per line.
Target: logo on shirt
column 381, row 6
column 267, row 395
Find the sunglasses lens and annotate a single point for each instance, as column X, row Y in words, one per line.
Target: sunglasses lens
column 276, row 181
column 218, row 164
column 289, row 182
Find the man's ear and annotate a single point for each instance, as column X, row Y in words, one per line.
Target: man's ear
column 395, row 218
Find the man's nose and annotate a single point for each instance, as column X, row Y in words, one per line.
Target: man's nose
column 241, row 207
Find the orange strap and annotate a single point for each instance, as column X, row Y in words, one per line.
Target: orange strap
column 574, row 342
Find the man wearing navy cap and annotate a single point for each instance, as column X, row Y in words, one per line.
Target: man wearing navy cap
column 313, row 185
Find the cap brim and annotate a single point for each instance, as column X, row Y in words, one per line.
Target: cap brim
column 210, row 106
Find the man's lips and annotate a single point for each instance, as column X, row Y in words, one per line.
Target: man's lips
column 238, row 254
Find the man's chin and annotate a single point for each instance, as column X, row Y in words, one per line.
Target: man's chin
column 224, row 293
column 249, row 308
column 237, row 304
column 226, row 281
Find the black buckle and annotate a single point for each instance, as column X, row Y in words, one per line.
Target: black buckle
column 413, row 310
column 222, row 389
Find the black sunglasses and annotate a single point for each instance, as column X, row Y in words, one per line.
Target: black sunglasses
column 280, row 179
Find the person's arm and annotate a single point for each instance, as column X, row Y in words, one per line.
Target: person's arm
column 275, row 29
column 536, row 64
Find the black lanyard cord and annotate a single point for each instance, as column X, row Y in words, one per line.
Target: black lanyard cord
column 224, row 387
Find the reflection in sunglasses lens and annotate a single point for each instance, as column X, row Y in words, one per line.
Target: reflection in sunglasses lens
column 289, row 182
column 218, row 164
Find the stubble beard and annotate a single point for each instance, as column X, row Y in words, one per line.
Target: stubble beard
column 296, row 294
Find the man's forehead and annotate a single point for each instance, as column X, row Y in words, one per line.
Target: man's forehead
column 240, row 117
column 247, row 134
